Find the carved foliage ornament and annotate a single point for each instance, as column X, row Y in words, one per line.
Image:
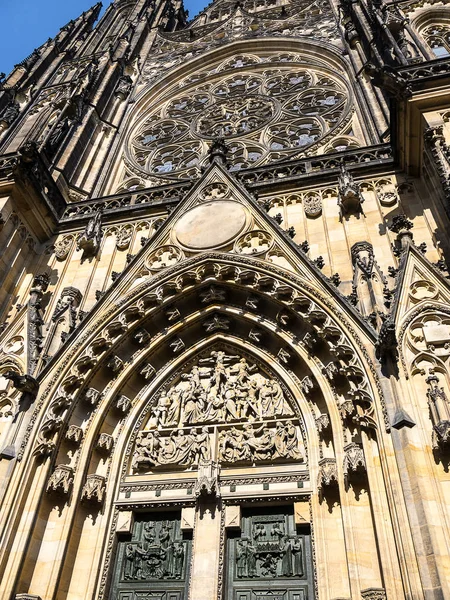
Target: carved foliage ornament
column 312, row 205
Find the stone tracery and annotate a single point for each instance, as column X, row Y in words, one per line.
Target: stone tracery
column 267, row 107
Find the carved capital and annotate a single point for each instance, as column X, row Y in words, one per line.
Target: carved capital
column 328, row 475
column 322, row 422
column 123, row 404
column 61, row 480
column 142, row 336
column 115, row 364
column 94, row 489
column 373, row 594
column 92, row 396
column 105, row 442
column 207, row 484
column 74, row 434
column 354, row 460
column 148, row 371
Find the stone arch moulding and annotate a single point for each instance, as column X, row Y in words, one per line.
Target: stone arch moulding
column 121, row 313
column 101, row 341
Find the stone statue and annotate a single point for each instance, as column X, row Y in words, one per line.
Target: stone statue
column 90, row 239
column 10, row 113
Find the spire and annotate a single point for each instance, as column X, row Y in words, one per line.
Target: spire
column 89, row 16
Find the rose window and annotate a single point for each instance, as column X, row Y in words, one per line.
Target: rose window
column 267, row 109
column 235, row 116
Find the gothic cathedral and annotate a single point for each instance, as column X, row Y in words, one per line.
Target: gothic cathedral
column 225, row 304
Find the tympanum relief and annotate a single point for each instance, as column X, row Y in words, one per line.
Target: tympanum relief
column 222, row 408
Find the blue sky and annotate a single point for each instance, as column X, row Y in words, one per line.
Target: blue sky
column 26, row 24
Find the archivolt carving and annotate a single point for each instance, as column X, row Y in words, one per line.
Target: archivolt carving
column 281, row 286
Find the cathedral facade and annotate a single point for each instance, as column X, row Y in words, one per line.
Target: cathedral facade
column 225, row 320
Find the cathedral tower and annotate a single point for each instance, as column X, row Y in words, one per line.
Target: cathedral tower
column 225, row 324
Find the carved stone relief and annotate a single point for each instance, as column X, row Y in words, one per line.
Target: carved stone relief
column 312, row 205
column 222, row 408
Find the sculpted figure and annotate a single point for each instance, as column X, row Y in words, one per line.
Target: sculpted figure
column 279, row 404
column 277, row 532
column 148, row 447
column 260, row 447
column 264, row 449
column 129, row 565
column 202, row 448
column 243, row 370
column 167, row 546
column 298, row 556
column 251, row 560
column 164, row 536
column 286, row 560
column 173, row 412
column 286, row 441
column 265, row 397
column 232, row 446
column 191, row 408
column 259, row 532
column 178, row 559
column 252, row 399
column 269, row 565
column 140, row 556
column 241, row 559
column 161, row 409
column 292, row 449
column 230, row 403
column 178, row 449
column 216, row 409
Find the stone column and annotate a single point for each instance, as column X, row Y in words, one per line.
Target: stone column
column 206, row 551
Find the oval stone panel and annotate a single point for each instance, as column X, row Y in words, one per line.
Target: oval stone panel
column 210, row 225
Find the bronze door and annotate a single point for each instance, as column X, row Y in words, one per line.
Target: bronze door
column 154, row 563
column 270, row 559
